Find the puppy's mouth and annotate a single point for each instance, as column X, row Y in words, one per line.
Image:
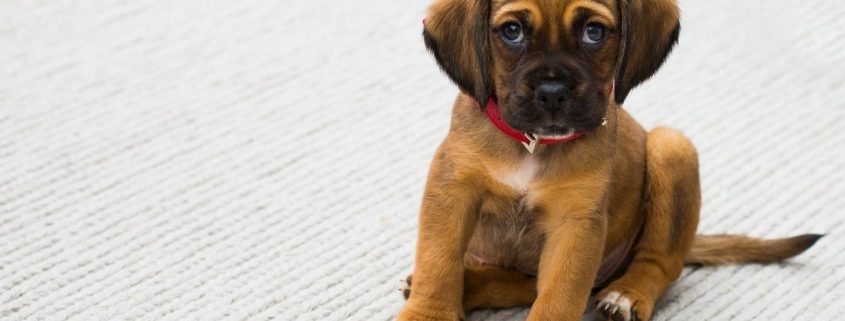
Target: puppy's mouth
column 555, row 133
column 579, row 115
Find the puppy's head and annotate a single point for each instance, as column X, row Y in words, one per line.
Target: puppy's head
column 551, row 64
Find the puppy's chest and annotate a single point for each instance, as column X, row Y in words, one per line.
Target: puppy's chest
column 519, row 176
column 507, row 233
column 514, row 198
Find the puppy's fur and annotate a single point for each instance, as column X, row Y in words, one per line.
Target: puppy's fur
column 500, row 227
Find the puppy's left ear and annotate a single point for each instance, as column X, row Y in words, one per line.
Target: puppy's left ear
column 457, row 34
column 649, row 31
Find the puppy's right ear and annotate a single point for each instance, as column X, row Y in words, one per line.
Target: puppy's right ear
column 457, row 34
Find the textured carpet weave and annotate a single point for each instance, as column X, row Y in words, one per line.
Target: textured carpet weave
column 257, row 160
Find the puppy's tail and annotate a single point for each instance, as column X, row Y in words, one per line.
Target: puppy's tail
column 724, row 249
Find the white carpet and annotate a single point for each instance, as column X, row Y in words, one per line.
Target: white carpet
column 256, row 160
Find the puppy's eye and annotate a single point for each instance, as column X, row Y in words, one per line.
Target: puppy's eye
column 512, row 33
column 594, row 33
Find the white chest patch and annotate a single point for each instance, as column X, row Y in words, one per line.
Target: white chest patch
column 520, row 176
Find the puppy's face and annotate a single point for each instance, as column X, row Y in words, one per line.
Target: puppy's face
column 551, row 63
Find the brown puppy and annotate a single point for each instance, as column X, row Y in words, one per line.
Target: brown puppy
column 603, row 207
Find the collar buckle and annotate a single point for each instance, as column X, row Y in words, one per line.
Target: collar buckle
column 531, row 145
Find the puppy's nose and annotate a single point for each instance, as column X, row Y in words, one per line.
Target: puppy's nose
column 551, row 94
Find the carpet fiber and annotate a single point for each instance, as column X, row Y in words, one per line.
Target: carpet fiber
column 257, row 160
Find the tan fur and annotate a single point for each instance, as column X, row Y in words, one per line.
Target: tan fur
column 500, row 227
column 723, row 249
column 600, row 12
column 511, row 10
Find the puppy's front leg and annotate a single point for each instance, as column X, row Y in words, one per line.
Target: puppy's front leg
column 447, row 219
column 568, row 265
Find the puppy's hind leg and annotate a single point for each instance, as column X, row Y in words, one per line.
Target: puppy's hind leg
column 673, row 199
column 491, row 287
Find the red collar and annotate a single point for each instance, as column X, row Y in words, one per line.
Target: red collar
column 527, row 140
column 495, row 116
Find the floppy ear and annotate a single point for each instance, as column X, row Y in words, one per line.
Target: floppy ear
column 649, row 30
column 456, row 32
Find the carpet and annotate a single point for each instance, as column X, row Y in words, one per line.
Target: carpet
column 264, row 160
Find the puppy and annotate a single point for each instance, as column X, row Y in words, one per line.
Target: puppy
column 545, row 190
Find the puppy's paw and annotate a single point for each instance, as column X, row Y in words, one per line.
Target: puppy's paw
column 622, row 305
column 423, row 310
column 405, row 286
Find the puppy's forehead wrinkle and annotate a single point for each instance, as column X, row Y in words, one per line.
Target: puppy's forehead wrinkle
column 499, row 3
column 578, row 8
column 520, row 10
